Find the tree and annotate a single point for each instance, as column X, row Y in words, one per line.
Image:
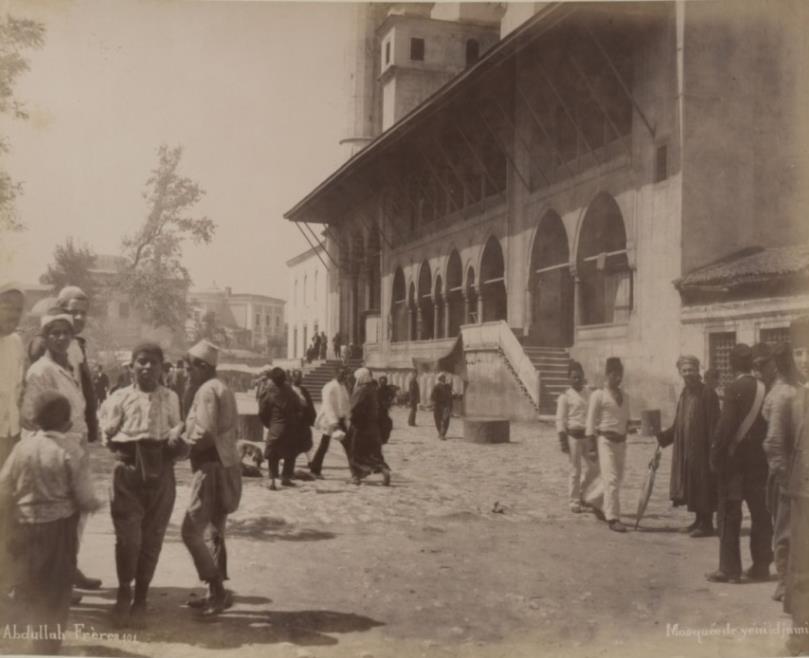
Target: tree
column 16, row 36
column 154, row 276
column 71, row 267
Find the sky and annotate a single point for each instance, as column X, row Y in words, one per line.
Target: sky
column 255, row 92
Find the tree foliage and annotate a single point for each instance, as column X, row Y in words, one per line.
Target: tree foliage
column 154, row 276
column 71, row 267
column 16, row 36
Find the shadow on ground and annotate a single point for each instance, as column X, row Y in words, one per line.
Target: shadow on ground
column 170, row 621
column 264, row 528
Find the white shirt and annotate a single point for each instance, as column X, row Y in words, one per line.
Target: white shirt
column 47, row 375
column 12, row 366
column 131, row 414
column 604, row 414
column 336, row 406
column 571, row 410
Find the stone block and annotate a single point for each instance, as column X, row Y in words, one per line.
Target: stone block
column 486, row 429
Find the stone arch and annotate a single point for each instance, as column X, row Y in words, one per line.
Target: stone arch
column 550, row 284
column 399, row 315
column 425, row 325
column 492, row 286
column 602, row 264
column 454, row 293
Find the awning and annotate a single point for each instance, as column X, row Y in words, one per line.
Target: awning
column 452, row 361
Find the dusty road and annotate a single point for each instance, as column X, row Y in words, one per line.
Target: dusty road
column 427, row 568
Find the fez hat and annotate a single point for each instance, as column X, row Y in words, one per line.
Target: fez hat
column 206, row 351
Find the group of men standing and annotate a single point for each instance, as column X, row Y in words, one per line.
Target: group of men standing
column 49, row 414
column 751, row 448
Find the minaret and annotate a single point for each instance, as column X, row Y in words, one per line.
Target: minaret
column 362, row 65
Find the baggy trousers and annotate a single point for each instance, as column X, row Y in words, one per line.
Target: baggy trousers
column 745, row 480
column 140, row 514
column 411, row 418
column 611, row 461
column 215, row 492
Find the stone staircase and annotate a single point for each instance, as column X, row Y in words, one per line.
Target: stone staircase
column 316, row 379
column 551, row 362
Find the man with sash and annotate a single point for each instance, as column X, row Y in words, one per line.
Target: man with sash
column 738, row 460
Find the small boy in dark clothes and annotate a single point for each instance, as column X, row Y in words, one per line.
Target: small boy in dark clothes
column 44, row 486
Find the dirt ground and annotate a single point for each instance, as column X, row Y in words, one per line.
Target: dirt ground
column 427, row 567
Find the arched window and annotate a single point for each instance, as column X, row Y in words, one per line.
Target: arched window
column 492, row 282
column 551, row 285
column 603, row 266
column 412, row 333
column 425, row 303
column 454, row 293
column 399, row 315
column 471, row 298
column 438, row 300
column 472, row 52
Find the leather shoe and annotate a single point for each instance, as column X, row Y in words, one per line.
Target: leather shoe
column 83, row 582
column 721, row 577
column 617, row 526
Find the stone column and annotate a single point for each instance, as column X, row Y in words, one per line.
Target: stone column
column 446, row 317
column 576, row 297
column 419, row 323
column 465, row 295
column 436, row 328
column 480, row 304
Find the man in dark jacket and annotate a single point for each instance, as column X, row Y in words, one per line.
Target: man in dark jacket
column 738, row 460
column 414, row 397
column 441, row 398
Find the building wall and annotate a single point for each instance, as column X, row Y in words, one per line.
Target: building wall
column 745, row 160
column 305, row 312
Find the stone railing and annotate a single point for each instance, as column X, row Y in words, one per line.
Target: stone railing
column 497, row 336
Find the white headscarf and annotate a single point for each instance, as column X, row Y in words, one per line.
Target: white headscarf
column 362, row 376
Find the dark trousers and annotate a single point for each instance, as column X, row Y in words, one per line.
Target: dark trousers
column 215, row 493
column 745, row 482
column 441, row 415
column 411, row 419
column 44, row 562
column 797, row 595
column 316, row 465
column 140, row 514
column 274, row 458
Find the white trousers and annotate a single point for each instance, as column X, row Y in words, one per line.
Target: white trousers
column 611, row 460
column 588, row 489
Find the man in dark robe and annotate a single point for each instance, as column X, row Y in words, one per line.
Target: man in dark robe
column 413, row 397
column 441, row 398
column 386, row 394
column 692, row 483
column 365, row 453
column 738, row 459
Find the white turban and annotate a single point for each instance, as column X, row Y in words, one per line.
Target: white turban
column 205, row 351
column 362, row 376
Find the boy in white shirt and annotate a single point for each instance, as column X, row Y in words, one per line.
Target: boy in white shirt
column 571, row 420
column 607, row 420
column 143, row 425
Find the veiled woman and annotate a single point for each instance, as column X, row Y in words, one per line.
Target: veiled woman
column 365, row 451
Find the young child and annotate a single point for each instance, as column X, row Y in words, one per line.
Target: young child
column 143, row 425
column 44, row 486
column 607, row 419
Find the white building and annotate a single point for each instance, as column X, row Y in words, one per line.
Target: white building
column 308, row 304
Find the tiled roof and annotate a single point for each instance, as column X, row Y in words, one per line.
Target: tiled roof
column 752, row 265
